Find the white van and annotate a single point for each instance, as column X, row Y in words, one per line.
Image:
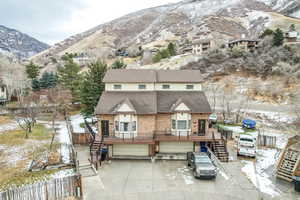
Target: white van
column 246, row 146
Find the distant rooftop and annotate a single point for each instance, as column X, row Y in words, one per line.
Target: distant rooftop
column 244, row 40
column 152, row 76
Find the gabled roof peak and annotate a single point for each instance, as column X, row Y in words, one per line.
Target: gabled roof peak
column 125, row 107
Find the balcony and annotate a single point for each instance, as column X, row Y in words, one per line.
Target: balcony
column 151, row 137
column 211, row 135
column 129, row 137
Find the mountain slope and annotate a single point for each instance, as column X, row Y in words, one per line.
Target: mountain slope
column 15, row 43
column 179, row 22
column 287, row 7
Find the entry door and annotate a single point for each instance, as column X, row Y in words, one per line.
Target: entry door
column 105, row 127
column 201, row 126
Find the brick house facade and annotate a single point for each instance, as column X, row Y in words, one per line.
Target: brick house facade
column 144, row 113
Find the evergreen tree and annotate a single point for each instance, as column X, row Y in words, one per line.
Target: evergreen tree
column 92, row 87
column 172, row 49
column 35, row 84
column 165, row 53
column 70, row 78
column 44, row 81
column 32, row 70
column 157, row 57
column 278, row 37
column 292, row 28
column 118, row 64
column 267, row 32
column 53, row 79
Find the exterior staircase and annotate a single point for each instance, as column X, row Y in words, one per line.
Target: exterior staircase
column 287, row 165
column 96, row 143
column 220, row 150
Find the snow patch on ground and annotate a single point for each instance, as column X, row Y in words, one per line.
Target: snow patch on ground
column 64, row 173
column 8, row 127
column 255, row 15
column 296, row 14
column 14, row 154
column 235, row 129
column 76, row 120
column 256, row 171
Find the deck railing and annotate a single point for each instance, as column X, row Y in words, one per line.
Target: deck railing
column 130, row 136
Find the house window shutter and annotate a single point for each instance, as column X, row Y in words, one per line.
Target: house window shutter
column 133, row 126
column 173, row 124
column 117, row 125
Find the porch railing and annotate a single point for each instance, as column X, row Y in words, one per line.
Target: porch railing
column 133, row 136
column 178, row 134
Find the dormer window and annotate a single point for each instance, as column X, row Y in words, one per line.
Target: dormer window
column 142, row 87
column 165, row 87
column 189, row 87
column 117, row 87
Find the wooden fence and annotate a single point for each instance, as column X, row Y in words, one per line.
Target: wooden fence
column 54, row 189
column 227, row 134
column 81, row 138
column 266, row 141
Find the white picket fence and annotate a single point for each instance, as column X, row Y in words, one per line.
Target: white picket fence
column 54, row 189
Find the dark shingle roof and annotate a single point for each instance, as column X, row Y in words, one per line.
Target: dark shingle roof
column 195, row 101
column 152, row 76
column 142, row 102
column 178, row 76
column 153, row 102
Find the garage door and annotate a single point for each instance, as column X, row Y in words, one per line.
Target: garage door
column 130, row 150
column 176, row 147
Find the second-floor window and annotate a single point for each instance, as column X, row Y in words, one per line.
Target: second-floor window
column 125, row 126
column 165, row 87
column 189, row 87
column 142, row 87
column 117, row 87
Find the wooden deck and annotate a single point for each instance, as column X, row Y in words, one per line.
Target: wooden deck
column 190, row 137
column 133, row 140
column 211, row 135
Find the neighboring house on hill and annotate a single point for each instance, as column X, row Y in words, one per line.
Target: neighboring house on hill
column 3, row 93
column 246, row 44
column 292, row 36
column 143, row 113
column 201, row 46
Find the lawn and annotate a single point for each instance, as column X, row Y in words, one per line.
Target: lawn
column 17, row 137
column 5, row 120
column 16, row 154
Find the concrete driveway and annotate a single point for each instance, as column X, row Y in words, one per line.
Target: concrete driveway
column 170, row 180
column 163, row 180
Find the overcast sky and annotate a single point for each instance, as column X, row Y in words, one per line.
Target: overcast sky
column 51, row 21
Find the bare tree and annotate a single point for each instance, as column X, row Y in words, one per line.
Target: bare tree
column 213, row 90
column 26, row 114
column 60, row 101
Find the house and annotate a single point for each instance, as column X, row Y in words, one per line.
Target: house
column 3, row 93
column 246, row 44
column 288, row 164
column 146, row 113
column 201, row 46
column 291, row 36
